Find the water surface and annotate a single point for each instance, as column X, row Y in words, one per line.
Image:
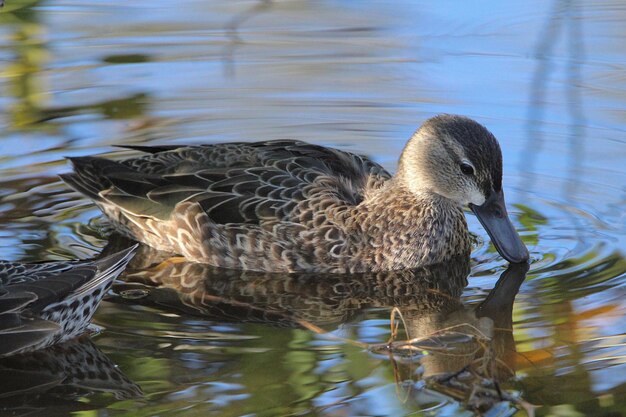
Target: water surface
column 547, row 78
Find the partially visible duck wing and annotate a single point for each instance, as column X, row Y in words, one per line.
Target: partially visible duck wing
column 17, row 272
column 248, row 183
column 12, row 301
column 40, row 285
column 42, row 288
column 19, row 334
column 45, row 303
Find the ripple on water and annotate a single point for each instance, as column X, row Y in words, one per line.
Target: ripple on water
column 567, row 316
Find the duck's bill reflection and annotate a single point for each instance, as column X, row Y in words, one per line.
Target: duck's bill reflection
column 495, row 219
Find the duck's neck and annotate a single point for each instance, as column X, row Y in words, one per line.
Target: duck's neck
column 399, row 191
column 413, row 172
column 421, row 227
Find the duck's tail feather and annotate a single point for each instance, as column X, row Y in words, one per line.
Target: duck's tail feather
column 92, row 175
column 87, row 178
column 109, row 268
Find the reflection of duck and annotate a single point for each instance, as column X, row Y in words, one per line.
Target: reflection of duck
column 288, row 206
column 429, row 299
column 47, row 303
column 60, row 376
column 461, row 335
column 289, row 299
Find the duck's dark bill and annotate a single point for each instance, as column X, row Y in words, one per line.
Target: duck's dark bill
column 494, row 218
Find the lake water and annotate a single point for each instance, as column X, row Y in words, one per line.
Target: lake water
column 547, row 78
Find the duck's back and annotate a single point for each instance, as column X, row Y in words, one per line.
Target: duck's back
column 239, row 205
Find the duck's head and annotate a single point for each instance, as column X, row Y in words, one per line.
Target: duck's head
column 459, row 159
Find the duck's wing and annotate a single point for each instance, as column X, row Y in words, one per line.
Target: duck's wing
column 35, row 286
column 37, row 309
column 248, row 183
column 17, row 272
column 19, row 334
column 40, row 285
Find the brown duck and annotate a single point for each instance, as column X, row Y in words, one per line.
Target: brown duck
column 286, row 206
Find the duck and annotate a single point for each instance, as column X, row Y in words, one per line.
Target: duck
column 292, row 206
column 43, row 304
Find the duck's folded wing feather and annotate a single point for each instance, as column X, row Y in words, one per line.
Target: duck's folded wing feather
column 12, row 301
column 16, row 272
column 18, row 333
column 74, row 280
column 233, row 183
column 53, row 289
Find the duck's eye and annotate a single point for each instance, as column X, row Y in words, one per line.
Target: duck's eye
column 467, row 169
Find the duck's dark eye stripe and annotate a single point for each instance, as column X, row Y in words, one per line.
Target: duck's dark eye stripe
column 467, row 169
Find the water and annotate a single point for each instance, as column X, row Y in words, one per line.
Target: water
column 547, row 78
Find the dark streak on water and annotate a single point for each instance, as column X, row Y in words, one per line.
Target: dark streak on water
column 547, row 78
